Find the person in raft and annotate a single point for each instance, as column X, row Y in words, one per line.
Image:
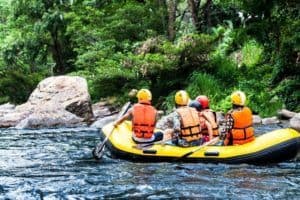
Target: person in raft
column 206, row 114
column 238, row 121
column 144, row 117
column 186, row 129
column 206, row 128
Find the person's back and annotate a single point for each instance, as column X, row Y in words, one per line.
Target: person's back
column 190, row 124
column 239, row 122
column 206, row 114
column 186, row 130
column 144, row 119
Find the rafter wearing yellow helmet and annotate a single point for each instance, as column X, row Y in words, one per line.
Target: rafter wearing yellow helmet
column 181, row 98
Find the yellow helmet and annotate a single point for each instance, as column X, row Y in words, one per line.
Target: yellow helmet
column 144, row 95
column 238, row 98
column 182, row 98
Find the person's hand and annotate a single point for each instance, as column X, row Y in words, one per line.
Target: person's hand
column 115, row 124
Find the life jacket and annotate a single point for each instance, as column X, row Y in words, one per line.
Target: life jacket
column 205, row 116
column 190, row 124
column 242, row 131
column 144, row 118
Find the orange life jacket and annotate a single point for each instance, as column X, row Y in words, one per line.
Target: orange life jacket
column 190, row 124
column 205, row 116
column 144, row 118
column 242, row 131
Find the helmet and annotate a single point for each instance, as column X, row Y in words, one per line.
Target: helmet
column 238, row 98
column 181, row 98
column 144, row 95
column 203, row 100
column 195, row 104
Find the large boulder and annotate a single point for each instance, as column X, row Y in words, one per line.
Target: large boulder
column 165, row 122
column 270, row 120
column 295, row 122
column 57, row 101
column 286, row 114
column 6, row 108
column 256, row 119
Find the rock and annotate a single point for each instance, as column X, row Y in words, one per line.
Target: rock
column 286, row 114
column 102, row 109
column 295, row 122
column 270, row 120
column 256, row 119
column 110, row 117
column 220, row 117
column 55, row 99
column 102, row 122
column 50, row 119
column 165, row 122
column 12, row 119
column 6, row 108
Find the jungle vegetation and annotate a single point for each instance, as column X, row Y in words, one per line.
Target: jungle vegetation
column 209, row 47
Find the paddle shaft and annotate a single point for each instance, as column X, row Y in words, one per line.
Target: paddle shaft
column 200, row 147
column 150, row 144
column 104, row 141
column 99, row 148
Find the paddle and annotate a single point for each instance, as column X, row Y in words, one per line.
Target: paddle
column 98, row 151
column 141, row 146
column 213, row 141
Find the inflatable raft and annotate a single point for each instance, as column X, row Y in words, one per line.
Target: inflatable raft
column 272, row 147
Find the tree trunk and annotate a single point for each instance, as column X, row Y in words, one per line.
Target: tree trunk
column 172, row 4
column 56, row 49
column 207, row 13
column 194, row 9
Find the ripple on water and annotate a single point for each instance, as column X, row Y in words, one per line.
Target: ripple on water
column 57, row 164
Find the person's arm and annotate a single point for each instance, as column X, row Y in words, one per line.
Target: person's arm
column 227, row 129
column 177, row 124
column 209, row 129
column 124, row 117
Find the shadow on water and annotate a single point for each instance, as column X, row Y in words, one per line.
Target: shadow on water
column 58, row 164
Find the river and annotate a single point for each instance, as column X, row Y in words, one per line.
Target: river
column 58, row 164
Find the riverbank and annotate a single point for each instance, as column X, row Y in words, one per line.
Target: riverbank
column 64, row 101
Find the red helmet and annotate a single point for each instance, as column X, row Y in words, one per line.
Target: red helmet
column 203, row 100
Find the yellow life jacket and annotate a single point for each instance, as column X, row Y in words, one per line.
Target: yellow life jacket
column 242, row 131
column 190, row 124
column 144, row 119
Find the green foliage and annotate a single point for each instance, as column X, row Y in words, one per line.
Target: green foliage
column 120, row 45
column 15, row 86
column 287, row 91
column 205, row 84
column 252, row 53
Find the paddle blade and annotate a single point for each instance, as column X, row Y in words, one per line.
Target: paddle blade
column 98, row 151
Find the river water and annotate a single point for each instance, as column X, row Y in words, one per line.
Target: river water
column 58, row 164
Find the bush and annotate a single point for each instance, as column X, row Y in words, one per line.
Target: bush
column 252, row 53
column 16, row 86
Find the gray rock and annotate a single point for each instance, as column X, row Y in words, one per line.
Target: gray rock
column 270, row 120
column 256, row 119
column 50, row 120
column 165, row 122
column 109, row 117
column 55, row 99
column 286, row 114
column 295, row 122
column 102, row 109
column 220, row 117
column 6, row 108
column 102, row 122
